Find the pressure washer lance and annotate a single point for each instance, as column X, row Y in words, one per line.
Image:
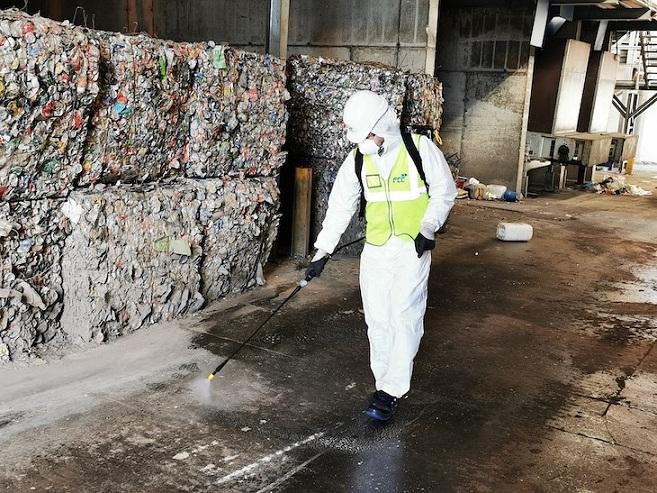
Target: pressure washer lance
column 300, row 285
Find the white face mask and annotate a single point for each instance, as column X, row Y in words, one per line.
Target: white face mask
column 368, row 147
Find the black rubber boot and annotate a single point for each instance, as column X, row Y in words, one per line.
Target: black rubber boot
column 382, row 407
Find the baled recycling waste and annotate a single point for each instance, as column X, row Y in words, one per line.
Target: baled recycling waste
column 140, row 255
column 48, row 83
column 140, row 129
column 32, row 236
column 319, row 88
column 238, row 114
column 200, row 110
column 92, row 244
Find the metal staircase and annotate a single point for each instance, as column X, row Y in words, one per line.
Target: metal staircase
column 637, row 51
column 648, row 40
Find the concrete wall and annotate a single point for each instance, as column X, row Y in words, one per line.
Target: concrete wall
column 482, row 58
column 390, row 32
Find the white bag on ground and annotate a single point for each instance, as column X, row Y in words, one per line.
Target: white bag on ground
column 497, row 191
column 514, row 232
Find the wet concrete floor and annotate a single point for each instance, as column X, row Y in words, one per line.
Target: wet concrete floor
column 537, row 372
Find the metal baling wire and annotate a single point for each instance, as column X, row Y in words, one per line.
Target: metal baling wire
column 84, row 15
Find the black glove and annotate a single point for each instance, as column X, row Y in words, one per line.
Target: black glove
column 422, row 244
column 315, row 268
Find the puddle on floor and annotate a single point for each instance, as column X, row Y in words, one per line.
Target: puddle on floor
column 642, row 290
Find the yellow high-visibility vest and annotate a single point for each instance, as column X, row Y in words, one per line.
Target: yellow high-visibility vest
column 397, row 205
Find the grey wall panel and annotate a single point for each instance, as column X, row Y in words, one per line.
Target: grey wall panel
column 492, row 127
column 482, row 60
column 366, row 31
column 238, row 23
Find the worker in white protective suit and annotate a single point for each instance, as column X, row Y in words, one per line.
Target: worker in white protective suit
column 402, row 220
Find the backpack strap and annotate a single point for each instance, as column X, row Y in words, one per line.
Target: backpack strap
column 412, row 150
column 358, row 158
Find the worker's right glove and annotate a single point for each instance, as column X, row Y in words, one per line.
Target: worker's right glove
column 422, row 244
column 316, row 266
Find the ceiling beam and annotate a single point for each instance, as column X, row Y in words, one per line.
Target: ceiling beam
column 600, row 36
column 596, row 14
column 603, row 4
column 540, row 23
column 633, row 25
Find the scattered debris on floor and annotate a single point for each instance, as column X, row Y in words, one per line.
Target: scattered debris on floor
column 471, row 188
column 616, row 185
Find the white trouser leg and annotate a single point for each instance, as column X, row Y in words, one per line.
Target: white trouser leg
column 376, row 283
column 394, row 290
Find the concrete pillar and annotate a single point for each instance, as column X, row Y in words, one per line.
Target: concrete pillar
column 525, row 121
column 432, row 33
column 279, row 16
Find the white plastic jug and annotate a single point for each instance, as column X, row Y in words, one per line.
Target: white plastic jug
column 514, row 232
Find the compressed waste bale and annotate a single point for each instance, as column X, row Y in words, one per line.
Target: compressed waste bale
column 238, row 114
column 166, row 108
column 140, row 255
column 32, row 236
column 240, row 221
column 48, row 82
column 131, row 260
column 423, row 104
column 319, row 89
column 140, row 126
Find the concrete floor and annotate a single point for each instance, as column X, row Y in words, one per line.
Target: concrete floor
column 538, row 372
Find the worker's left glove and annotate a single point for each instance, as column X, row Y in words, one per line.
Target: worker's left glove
column 317, row 265
column 422, row 244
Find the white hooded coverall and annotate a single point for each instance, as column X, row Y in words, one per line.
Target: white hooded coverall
column 393, row 280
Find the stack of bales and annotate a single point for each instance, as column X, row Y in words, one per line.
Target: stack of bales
column 137, row 178
column 319, row 89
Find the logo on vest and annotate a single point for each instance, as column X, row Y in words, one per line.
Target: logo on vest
column 400, row 179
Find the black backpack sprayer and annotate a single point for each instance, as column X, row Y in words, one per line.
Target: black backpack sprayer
column 300, row 285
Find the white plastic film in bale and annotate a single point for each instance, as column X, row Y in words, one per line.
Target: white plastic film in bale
column 32, row 238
